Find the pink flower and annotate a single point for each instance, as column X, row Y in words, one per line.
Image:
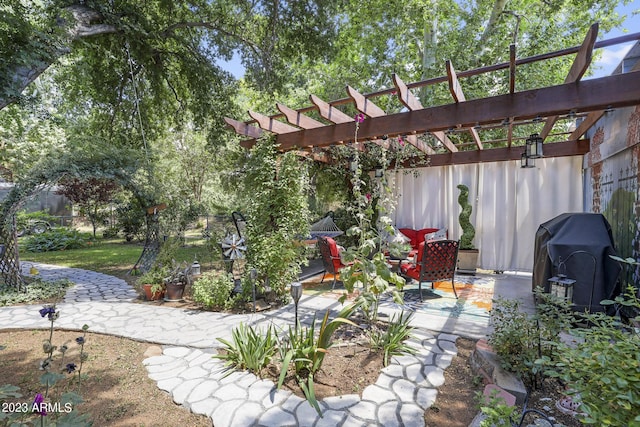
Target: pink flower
column 359, row 117
column 368, row 197
column 400, row 140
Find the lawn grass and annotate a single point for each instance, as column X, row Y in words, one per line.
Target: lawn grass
column 117, row 257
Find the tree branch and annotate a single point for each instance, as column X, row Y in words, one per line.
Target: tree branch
column 83, row 25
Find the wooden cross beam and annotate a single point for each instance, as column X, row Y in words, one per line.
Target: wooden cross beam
column 585, row 96
column 298, row 119
column 271, row 124
column 412, row 103
column 578, row 68
column 458, row 96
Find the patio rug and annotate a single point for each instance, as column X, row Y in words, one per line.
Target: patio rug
column 475, row 295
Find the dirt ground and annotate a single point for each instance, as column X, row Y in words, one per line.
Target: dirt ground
column 115, row 386
column 118, row 392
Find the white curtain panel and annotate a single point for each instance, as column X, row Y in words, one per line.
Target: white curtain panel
column 509, row 203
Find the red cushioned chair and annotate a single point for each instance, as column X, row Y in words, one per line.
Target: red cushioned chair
column 436, row 261
column 330, row 258
column 416, row 237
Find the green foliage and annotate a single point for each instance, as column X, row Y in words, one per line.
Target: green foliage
column 213, row 289
column 307, row 350
column 38, row 215
column 130, row 218
column 521, row 339
column 277, row 215
column 36, row 290
column 249, row 349
column 58, row 239
column 603, row 367
column 468, row 230
column 496, row 411
column 392, row 341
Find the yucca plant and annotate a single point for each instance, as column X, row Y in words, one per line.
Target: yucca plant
column 392, row 341
column 251, row 350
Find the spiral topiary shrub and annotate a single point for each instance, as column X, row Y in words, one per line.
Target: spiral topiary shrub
column 468, row 230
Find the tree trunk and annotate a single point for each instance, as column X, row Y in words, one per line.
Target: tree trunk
column 498, row 8
column 81, row 27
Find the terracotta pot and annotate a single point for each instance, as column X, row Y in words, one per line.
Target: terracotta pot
column 174, row 292
column 151, row 296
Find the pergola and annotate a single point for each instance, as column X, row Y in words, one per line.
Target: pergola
column 587, row 100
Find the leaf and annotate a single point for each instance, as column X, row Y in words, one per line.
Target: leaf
column 284, row 367
column 9, row 390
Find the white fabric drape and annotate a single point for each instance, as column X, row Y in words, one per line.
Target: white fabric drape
column 509, row 203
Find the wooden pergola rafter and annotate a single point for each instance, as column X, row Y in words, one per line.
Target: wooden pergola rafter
column 575, row 98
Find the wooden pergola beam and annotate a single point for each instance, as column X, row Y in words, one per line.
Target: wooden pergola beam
column 578, row 68
column 272, row 125
column 329, row 112
column 367, row 107
column 620, row 90
column 412, row 103
column 364, row 105
column 558, row 149
column 321, row 157
column 242, row 128
column 298, row 119
column 594, row 116
column 458, row 96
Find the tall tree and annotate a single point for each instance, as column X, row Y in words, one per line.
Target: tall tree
column 164, row 38
column 414, row 38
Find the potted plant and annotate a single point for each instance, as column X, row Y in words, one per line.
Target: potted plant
column 175, row 282
column 152, row 283
column 467, row 252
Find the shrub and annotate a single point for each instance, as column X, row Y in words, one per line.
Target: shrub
column 604, row 367
column 130, row 219
column 520, row 339
column 307, row 350
column 213, row 289
column 37, row 290
column 57, row 239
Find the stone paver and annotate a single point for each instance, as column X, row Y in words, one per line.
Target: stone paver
column 187, row 370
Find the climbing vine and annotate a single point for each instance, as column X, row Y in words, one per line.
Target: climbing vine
column 119, row 165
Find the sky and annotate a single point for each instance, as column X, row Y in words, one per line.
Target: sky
column 609, row 60
column 612, row 56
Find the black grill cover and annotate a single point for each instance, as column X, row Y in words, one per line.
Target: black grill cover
column 583, row 241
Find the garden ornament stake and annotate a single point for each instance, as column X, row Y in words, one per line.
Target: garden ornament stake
column 296, row 293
